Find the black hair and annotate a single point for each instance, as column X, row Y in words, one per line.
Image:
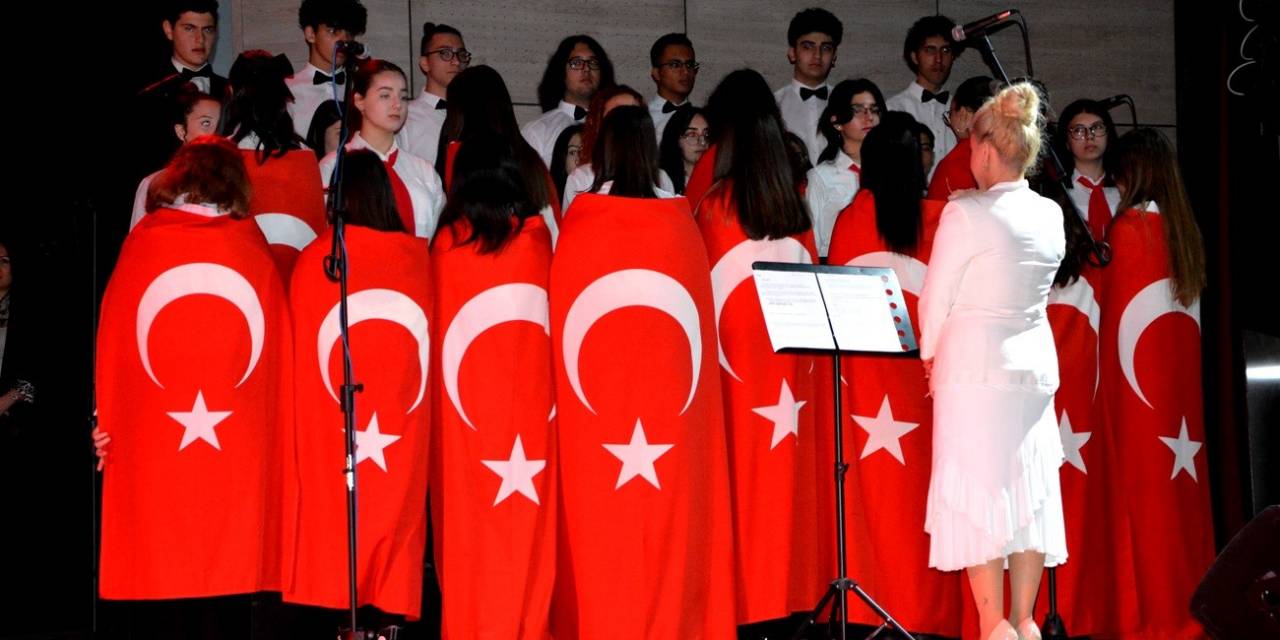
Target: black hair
column 367, row 197
column 479, row 105
column 560, row 153
column 660, row 45
column 185, row 100
column 260, row 103
column 923, row 29
column 840, row 107
column 670, row 155
column 1092, row 107
column 813, row 20
column 326, row 114
column 799, row 154
column 487, row 190
column 429, row 31
column 974, row 92
column 551, row 88
column 348, row 15
column 178, row 7
column 892, row 172
column 626, row 153
column 752, row 154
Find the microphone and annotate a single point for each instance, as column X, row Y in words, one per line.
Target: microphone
column 353, row 49
column 983, row 26
column 1114, row 101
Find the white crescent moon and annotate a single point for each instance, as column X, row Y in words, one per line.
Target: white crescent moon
column 196, row 278
column 376, row 304
column 630, row 288
column 1079, row 295
column 1153, row 301
column 734, row 267
column 504, row 303
column 910, row 271
column 285, row 229
column 549, row 217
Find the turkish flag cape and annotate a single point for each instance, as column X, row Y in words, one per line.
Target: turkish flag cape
column 646, row 548
column 287, row 202
column 493, row 499
column 769, row 420
column 1096, row 588
column 1150, row 353
column 192, row 365
column 888, row 443
column 952, row 173
column 389, row 308
column 701, row 178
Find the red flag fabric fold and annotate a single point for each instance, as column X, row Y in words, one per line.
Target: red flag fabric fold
column 287, row 202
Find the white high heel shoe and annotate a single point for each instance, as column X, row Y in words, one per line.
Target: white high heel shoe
column 1028, row 630
column 1003, row 631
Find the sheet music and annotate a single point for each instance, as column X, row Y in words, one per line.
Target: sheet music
column 858, row 308
column 793, row 310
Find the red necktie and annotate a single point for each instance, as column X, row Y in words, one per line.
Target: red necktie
column 857, row 171
column 403, row 202
column 1099, row 210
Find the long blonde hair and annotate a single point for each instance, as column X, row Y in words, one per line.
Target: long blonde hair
column 1011, row 122
column 1148, row 172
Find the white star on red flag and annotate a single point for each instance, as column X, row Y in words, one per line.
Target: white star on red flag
column 785, row 415
column 1072, row 442
column 1184, row 452
column 517, row 474
column 198, row 423
column 883, row 432
column 371, row 442
column 638, row 457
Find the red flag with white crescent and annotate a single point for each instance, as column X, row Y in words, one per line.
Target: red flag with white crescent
column 646, row 548
column 287, row 203
column 769, row 421
column 493, row 489
column 1096, row 589
column 388, row 314
column 1150, row 354
column 193, row 352
column 701, row 178
column 888, row 443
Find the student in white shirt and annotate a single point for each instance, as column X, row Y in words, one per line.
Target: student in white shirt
column 1086, row 128
column 442, row 56
column 324, row 24
column 578, row 68
column 584, row 176
column 812, row 40
column 853, row 110
column 379, row 93
column 929, row 52
column 674, row 72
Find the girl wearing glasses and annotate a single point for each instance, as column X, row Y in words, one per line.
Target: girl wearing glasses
column 1085, row 128
column 443, row 55
column 953, row 172
column 683, row 144
column 853, row 110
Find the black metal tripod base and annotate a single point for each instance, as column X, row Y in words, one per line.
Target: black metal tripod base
column 391, row 632
column 839, row 587
column 1053, row 628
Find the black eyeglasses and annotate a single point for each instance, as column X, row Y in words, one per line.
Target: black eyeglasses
column 1080, row 132
column 859, row 109
column 448, row 54
column 578, row 64
column 676, row 65
column 696, row 137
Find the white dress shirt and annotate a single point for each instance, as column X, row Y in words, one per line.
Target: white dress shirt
column 140, row 199
column 659, row 118
column 832, row 186
column 580, row 181
column 420, row 134
column 541, row 134
column 801, row 116
column 426, row 193
column 929, row 114
column 308, row 96
column 983, row 306
column 1080, row 195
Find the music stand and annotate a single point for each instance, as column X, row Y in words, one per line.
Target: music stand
column 833, row 310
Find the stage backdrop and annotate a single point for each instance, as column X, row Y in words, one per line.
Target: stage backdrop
column 1091, row 48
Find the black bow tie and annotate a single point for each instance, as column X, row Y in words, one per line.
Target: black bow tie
column 204, row 72
column 321, row 78
column 667, row 107
column 441, row 104
column 927, row 95
column 579, row 113
column 820, row 93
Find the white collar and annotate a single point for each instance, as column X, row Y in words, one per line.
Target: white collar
column 796, row 86
column 658, row 101
column 567, row 108
column 358, row 142
column 179, row 67
column 1150, row 207
column 430, row 98
column 916, row 91
column 1076, row 176
column 200, row 209
column 1012, row 185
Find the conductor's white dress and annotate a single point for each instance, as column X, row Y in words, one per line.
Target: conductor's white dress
column 996, row 449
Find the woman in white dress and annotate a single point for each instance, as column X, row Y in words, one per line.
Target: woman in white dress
column 989, row 353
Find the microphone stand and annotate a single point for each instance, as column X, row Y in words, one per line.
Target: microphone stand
column 335, row 268
column 1053, row 627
